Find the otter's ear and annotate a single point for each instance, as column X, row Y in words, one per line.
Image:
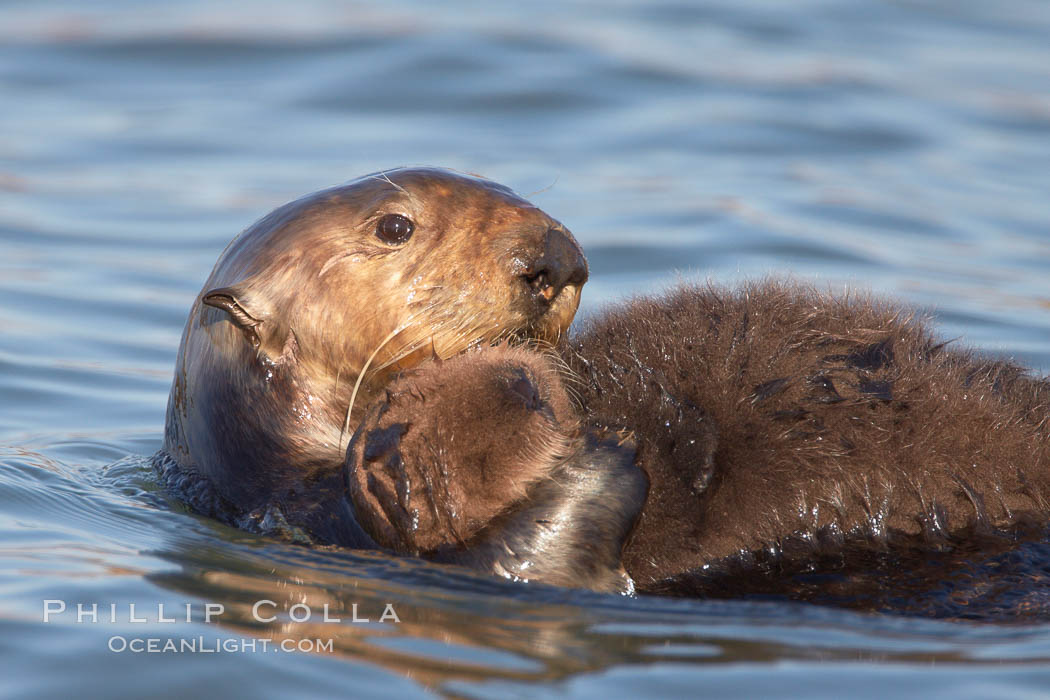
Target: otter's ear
column 229, row 300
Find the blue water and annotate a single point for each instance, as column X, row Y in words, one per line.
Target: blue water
column 897, row 146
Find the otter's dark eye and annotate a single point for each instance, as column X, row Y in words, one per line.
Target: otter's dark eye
column 394, row 229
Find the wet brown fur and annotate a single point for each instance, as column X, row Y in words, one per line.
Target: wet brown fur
column 777, row 418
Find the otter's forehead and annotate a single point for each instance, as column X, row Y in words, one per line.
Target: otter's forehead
column 438, row 184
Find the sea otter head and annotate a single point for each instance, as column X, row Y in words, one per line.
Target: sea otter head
column 480, row 461
column 311, row 310
column 397, row 262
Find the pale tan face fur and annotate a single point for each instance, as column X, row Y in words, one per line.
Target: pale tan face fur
column 310, row 296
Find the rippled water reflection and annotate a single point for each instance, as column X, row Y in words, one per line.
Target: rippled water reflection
column 896, row 146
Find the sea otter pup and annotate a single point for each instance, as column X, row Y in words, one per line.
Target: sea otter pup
column 481, row 460
column 832, row 420
column 308, row 314
column 777, row 426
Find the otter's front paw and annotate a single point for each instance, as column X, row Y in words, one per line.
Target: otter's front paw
column 377, row 482
column 685, row 438
column 694, row 440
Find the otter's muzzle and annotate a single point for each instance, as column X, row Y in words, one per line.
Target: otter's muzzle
column 560, row 264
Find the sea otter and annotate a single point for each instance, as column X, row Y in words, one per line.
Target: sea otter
column 763, row 427
column 778, row 427
column 310, row 311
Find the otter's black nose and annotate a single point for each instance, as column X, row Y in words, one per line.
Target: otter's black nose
column 560, row 263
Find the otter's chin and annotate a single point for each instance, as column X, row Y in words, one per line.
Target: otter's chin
column 555, row 322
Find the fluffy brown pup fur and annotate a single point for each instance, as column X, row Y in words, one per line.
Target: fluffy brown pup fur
column 778, row 421
column 782, row 431
column 479, row 460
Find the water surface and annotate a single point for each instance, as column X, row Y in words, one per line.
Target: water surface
column 896, row 146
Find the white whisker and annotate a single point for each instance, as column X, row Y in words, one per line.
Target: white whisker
column 383, row 177
column 364, row 370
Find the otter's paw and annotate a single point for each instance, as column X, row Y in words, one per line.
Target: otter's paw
column 377, row 481
column 688, row 441
column 695, row 441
